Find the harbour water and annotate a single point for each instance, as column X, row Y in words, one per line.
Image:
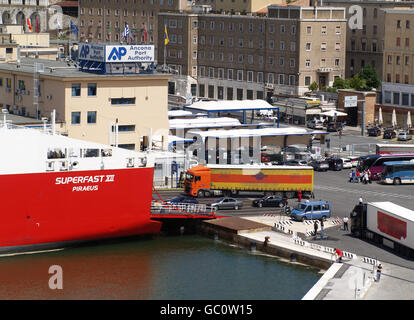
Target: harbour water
column 170, row 268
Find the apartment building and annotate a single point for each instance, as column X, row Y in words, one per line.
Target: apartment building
column 222, row 56
column 18, row 11
column 366, row 45
column 90, row 106
column 398, row 65
column 104, row 20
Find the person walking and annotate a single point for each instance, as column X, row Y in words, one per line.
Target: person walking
column 353, row 175
column 379, row 270
column 322, row 228
column 340, row 254
column 315, row 227
column 357, row 176
column 345, row 223
column 299, row 195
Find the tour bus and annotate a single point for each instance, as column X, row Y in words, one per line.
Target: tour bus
column 375, row 163
column 384, row 148
column 397, row 172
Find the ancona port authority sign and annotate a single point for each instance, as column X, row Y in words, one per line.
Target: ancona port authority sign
column 116, row 53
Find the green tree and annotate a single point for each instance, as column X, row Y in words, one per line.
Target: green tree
column 313, row 86
column 339, row 83
column 357, row 83
column 369, row 74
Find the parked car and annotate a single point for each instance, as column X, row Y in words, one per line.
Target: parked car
column 335, row 164
column 354, row 161
column 319, row 165
column 183, row 199
column 333, row 126
column 389, row 134
column 404, row 136
column 269, row 201
column 346, row 163
column 315, row 124
column 296, row 163
column 374, row 131
column 227, row 203
column 313, row 210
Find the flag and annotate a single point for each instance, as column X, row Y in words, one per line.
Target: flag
column 37, row 25
column 73, row 27
column 166, row 40
column 29, row 25
column 145, row 31
column 126, row 31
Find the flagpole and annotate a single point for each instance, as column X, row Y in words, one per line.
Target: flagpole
column 165, row 49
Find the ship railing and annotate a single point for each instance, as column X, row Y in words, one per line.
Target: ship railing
column 182, row 208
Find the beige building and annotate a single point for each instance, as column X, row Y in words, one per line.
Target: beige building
column 30, row 44
column 366, row 45
column 89, row 106
column 221, row 56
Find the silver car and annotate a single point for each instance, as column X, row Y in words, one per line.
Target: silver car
column 227, row 203
column 404, row 136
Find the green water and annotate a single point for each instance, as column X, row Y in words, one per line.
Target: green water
column 171, row 268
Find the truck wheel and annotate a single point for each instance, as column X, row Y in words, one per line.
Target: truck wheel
column 397, row 181
column 200, row 194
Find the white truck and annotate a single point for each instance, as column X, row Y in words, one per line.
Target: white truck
column 386, row 223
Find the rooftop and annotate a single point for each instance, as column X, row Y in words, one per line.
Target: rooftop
column 61, row 69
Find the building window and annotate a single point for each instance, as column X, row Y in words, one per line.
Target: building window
column 249, row 94
column 281, row 61
column 375, row 12
column 323, row 30
column 337, row 46
column 404, row 99
column 398, row 60
column 220, row 73
column 407, row 24
column 292, row 46
column 211, row 92
column 292, row 62
column 122, row 101
column 229, row 93
column 270, row 78
column 397, row 78
column 407, row 60
column 389, row 59
column 220, row 93
column 239, row 94
column 398, row 24
column 308, row 46
column 388, row 77
column 387, row 96
column 337, row 62
column 282, row 28
column 308, row 30
column 407, row 42
column 76, row 89
column 249, row 76
column 398, row 41
column 281, row 79
column 271, row 44
column 396, row 97
column 229, row 74
column 239, row 75
column 375, row 28
column 282, row 45
column 363, row 44
column 91, row 117
column 337, row 30
column 323, row 46
column 307, row 81
column 91, row 89
column 201, row 92
column 292, row 80
column 374, row 45
column 293, row 29
column 260, row 77
column 76, row 117
column 307, row 63
column 211, row 72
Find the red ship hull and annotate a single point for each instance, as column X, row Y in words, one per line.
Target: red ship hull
column 58, row 207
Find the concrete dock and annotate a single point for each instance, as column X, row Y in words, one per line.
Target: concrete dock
column 353, row 279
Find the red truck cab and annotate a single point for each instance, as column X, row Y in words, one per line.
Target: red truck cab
column 197, row 179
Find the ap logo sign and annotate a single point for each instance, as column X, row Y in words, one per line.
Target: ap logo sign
column 117, row 53
column 84, row 51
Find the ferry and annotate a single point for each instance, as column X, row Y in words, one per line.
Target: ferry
column 57, row 191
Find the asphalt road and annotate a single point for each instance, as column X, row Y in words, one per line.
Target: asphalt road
column 334, row 187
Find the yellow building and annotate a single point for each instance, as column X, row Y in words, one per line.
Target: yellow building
column 122, row 109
